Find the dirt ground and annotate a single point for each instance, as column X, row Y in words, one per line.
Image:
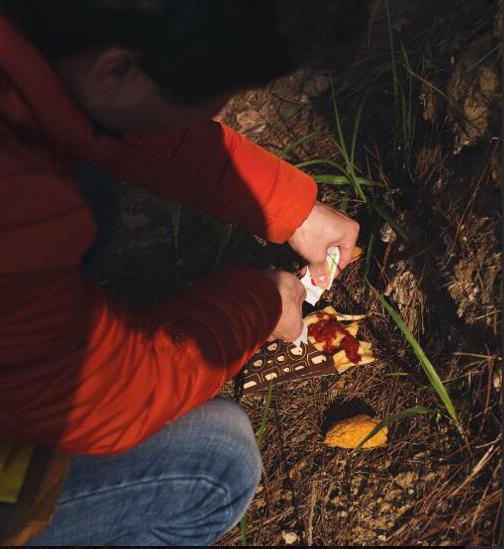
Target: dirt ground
column 431, row 485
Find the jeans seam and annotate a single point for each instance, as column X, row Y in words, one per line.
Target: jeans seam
column 143, row 482
column 212, row 483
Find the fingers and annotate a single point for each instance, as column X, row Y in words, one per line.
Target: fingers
column 292, row 293
column 298, row 314
column 301, row 293
column 345, row 257
column 347, row 246
column 319, row 270
column 302, row 272
column 289, row 334
column 294, row 333
column 320, row 273
column 323, row 228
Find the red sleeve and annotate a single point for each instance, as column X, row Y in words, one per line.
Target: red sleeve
column 220, row 172
column 78, row 369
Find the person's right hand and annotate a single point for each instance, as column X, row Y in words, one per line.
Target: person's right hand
column 293, row 293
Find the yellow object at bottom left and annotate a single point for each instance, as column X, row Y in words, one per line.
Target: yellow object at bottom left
column 14, row 462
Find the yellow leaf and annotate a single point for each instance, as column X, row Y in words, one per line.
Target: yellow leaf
column 347, row 433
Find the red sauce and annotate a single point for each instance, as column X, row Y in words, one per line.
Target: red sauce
column 326, row 329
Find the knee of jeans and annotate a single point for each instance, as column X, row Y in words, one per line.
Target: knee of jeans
column 235, row 436
column 243, row 460
column 236, row 445
column 230, row 471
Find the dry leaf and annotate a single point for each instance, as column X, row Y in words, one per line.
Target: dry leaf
column 348, row 433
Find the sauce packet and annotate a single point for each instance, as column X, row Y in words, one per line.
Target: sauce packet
column 313, row 292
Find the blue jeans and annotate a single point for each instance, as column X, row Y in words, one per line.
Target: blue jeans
column 185, row 486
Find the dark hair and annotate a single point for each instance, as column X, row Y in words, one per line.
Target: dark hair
column 196, row 49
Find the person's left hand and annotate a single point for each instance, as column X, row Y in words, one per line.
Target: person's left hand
column 324, row 228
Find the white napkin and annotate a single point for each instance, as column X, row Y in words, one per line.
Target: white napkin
column 313, row 292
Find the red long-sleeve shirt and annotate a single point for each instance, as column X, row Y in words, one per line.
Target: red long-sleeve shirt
column 78, row 369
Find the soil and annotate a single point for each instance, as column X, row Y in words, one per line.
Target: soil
column 432, row 484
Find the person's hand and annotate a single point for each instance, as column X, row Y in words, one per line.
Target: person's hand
column 293, row 293
column 323, row 228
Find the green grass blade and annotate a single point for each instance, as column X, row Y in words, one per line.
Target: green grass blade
column 392, row 50
column 243, row 531
column 341, row 144
column 356, row 131
column 343, row 205
column 369, row 254
column 357, row 189
column 344, row 180
column 333, row 179
column 321, row 162
column 296, row 144
column 367, row 182
column 403, row 121
column 382, row 212
column 264, row 418
column 426, row 364
column 406, row 64
column 389, row 420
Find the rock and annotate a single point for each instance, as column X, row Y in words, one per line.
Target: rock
column 289, row 537
column 317, row 85
column 404, row 289
column 474, row 87
column 251, row 121
column 407, row 479
column 260, row 503
column 431, row 103
column 132, row 221
column 497, row 380
column 387, row 233
column 384, row 507
column 473, row 284
column 431, row 477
